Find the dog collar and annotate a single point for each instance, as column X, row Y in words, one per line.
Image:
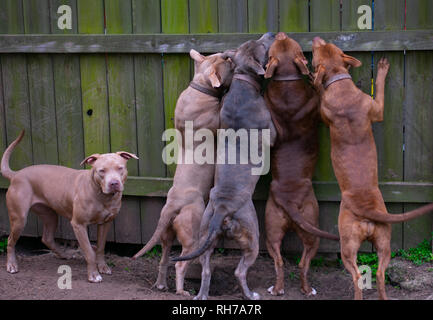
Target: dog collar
column 248, row 79
column 211, row 92
column 337, row 77
column 290, row 77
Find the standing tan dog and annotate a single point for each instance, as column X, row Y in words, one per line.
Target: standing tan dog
column 349, row 113
column 186, row 200
column 294, row 107
column 83, row 196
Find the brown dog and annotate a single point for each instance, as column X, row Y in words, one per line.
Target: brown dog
column 294, row 107
column 186, row 200
column 349, row 113
column 83, row 196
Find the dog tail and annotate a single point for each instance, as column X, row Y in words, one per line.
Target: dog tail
column 167, row 215
column 214, row 230
column 301, row 222
column 6, row 171
column 392, row 218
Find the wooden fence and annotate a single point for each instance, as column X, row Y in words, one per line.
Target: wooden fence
column 112, row 81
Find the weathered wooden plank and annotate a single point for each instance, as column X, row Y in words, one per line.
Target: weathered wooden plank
column 41, row 89
column 418, row 119
column 176, row 67
column 94, row 94
column 146, row 16
column 262, row 16
column 123, row 123
column 233, row 16
column 410, row 40
column 15, row 99
column 203, row 16
column 69, row 118
column 324, row 15
column 11, row 16
column 293, row 16
column 389, row 15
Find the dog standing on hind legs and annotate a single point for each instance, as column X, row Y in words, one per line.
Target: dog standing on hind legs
column 294, row 107
column 349, row 113
column 186, row 200
column 82, row 196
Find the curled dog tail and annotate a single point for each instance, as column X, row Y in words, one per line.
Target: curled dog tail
column 392, row 218
column 6, row 171
column 214, row 230
column 294, row 214
column 167, row 215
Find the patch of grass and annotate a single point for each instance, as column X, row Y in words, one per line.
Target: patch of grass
column 3, row 245
column 221, row 250
column 371, row 260
column 319, row 262
column 155, row 252
column 419, row 255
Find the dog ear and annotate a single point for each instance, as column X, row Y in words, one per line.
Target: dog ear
column 214, row 78
column 90, row 159
column 271, row 66
column 318, row 79
column 351, row 61
column 196, row 56
column 229, row 54
column 126, row 155
column 256, row 67
column 301, row 62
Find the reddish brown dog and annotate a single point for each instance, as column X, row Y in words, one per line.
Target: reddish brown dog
column 294, row 107
column 349, row 113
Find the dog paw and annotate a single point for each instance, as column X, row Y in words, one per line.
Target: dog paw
column 12, row 267
column 254, row 296
column 160, row 286
column 273, row 292
column 95, row 277
column 183, row 293
column 313, row 292
column 383, row 64
column 104, row 268
column 200, row 297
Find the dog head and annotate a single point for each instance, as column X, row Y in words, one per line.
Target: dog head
column 251, row 57
column 215, row 69
column 285, row 57
column 328, row 60
column 109, row 170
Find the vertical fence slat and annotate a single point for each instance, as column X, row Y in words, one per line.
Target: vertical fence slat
column 418, row 119
column 94, row 96
column 293, row 16
column 67, row 88
column 324, row 16
column 150, row 110
column 123, row 122
column 176, row 67
column 233, row 16
column 389, row 15
column 41, row 89
column 203, row 16
column 262, row 16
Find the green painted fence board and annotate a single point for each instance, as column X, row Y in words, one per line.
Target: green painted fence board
column 324, row 15
column 418, row 119
column 123, row 122
column 11, row 17
column 233, row 16
column 262, row 16
column 389, row 136
column 146, row 16
column 293, row 16
column 203, row 16
column 176, row 67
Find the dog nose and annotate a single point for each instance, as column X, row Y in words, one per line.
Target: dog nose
column 270, row 34
column 318, row 40
column 114, row 184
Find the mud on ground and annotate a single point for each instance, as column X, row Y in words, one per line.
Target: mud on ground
column 133, row 279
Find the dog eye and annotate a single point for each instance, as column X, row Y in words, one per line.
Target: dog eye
column 101, row 171
column 120, row 168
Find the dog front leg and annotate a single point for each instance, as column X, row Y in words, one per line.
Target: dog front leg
column 376, row 113
column 100, row 248
column 80, row 231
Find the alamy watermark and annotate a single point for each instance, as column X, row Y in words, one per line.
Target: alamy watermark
column 65, row 280
column 242, row 146
column 364, row 282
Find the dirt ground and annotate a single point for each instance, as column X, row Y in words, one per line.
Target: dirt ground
column 37, row 278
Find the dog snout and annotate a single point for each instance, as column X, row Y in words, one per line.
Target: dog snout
column 317, row 41
column 115, row 185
